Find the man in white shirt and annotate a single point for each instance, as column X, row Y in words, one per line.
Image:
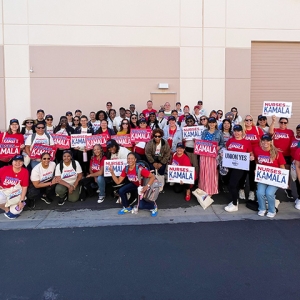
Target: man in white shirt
column 167, row 108
column 117, row 120
column 95, row 124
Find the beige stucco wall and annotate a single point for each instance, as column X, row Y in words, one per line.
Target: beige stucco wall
column 206, row 33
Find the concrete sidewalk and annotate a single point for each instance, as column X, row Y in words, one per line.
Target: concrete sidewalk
column 43, row 219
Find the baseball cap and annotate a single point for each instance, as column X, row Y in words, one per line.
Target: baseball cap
column 14, row 121
column 40, row 110
column 237, row 128
column 171, row 118
column 266, row 137
column 229, row 115
column 178, row 103
column 18, row 157
column 180, row 145
column 200, row 102
column 143, row 120
column 132, row 105
column 261, row 117
column 78, row 110
column 298, row 126
column 196, row 106
column 49, row 117
column 111, row 143
column 122, row 108
column 69, row 113
column 212, row 120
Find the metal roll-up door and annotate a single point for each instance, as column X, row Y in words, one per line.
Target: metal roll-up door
column 275, row 76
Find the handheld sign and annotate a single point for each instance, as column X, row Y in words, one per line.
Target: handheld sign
column 100, row 139
column 178, row 174
column 279, row 109
column 272, row 176
column 191, row 132
column 37, row 150
column 117, row 164
column 236, row 160
column 123, row 140
column 61, row 141
column 206, row 148
column 78, row 140
column 140, row 135
column 8, row 151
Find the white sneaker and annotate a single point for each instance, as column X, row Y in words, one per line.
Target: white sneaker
column 251, row 196
column 242, row 194
column 271, row 215
column 101, row 199
column 261, row 213
column 231, row 207
column 172, row 183
column 297, row 203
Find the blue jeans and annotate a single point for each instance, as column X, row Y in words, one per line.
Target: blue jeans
column 33, row 163
column 264, row 192
column 102, row 182
column 160, row 171
column 127, row 188
column 146, row 205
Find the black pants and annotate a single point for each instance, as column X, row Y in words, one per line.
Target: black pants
column 178, row 188
column 85, row 165
column 234, row 180
column 251, row 173
column 298, row 187
column 34, row 193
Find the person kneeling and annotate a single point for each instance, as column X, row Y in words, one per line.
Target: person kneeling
column 131, row 172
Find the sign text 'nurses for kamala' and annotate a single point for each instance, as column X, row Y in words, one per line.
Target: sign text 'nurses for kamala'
column 37, row 150
column 140, row 135
column 78, row 140
column 279, row 109
column 181, row 174
column 61, row 141
column 117, row 164
column 272, row 176
column 206, row 148
column 191, row 132
column 9, row 150
column 123, row 140
column 97, row 139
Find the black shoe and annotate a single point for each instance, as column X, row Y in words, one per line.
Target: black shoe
column 46, row 199
column 62, row 201
column 30, row 203
column 289, row 194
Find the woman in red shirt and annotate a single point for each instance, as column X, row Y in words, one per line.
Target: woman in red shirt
column 283, row 138
column 253, row 134
column 238, row 144
column 267, row 155
column 181, row 159
column 133, row 185
column 104, row 129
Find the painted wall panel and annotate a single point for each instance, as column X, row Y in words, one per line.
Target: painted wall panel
column 190, row 91
column 190, row 37
column 15, row 11
column 214, row 37
column 213, row 94
column 190, row 62
column 16, row 34
column 213, row 62
column 191, row 13
column 238, row 63
column 16, row 61
column 214, row 13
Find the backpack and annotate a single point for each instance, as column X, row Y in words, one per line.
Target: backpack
column 34, row 135
column 61, row 165
column 152, row 193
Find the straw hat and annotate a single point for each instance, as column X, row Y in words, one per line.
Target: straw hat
column 29, row 119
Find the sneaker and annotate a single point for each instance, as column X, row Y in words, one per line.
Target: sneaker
column 271, row 215
column 297, row 203
column 242, row 194
column 30, row 203
column 62, row 201
column 10, row 215
column 261, row 213
column 251, row 196
column 101, row 199
column 119, row 200
column 154, row 211
column 289, row 194
column 124, row 210
column 231, row 207
column 172, row 183
column 46, row 199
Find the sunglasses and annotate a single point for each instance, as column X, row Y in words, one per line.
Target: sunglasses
column 108, row 104
column 189, row 121
column 133, row 118
column 29, row 122
column 40, row 127
column 234, row 111
column 75, row 120
column 49, row 119
column 219, row 113
column 248, row 120
column 157, row 136
column 203, row 119
column 46, row 158
column 283, row 122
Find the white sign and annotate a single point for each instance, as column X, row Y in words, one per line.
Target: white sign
column 117, row 164
column 279, row 109
column 178, row 174
column 272, row 176
column 236, row 160
column 191, row 132
column 78, row 140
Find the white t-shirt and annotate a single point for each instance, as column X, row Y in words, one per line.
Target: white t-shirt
column 50, row 129
column 117, row 122
column 122, row 154
column 38, row 173
column 39, row 139
column 162, row 123
column 68, row 174
column 95, row 125
column 62, row 131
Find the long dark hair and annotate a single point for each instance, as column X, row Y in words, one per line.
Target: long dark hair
column 128, row 128
column 98, row 114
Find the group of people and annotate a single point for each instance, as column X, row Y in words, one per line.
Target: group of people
column 76, row 172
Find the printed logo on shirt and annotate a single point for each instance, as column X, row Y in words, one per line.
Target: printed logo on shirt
column 41, row 141
column 294, row 144
column 10, row 181
column 10, row 140
column 132, row 177
column 68, row 174
column 46, row 176
column 175, row 163
column 281, row 135
column 251, row 137
column 235, row 146
column 95, row 167
column 264, row 159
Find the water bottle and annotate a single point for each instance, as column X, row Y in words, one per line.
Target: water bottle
column 85, row 156
column 17, row 207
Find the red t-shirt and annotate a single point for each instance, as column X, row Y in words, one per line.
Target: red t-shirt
column 8, row 178
column 171, row 134
column 16, row 138
column 181, row 161
column 133, row 177
column 147, row 112
column 282, row 140
column 263, row 158
column 297, row 155
column 294, row 147
column 239, row 145
column 96, row 164
column 253, row 135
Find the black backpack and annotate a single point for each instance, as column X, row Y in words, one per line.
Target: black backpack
column 61, row 165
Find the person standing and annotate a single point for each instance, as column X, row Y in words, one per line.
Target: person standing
column 149, row 109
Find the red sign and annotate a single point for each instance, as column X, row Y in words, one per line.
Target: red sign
column 206, row 148
column 62, row 141
column 140, row 135
column 37, row 150
column 8, row 151
column 100, row 139
column 123, row 140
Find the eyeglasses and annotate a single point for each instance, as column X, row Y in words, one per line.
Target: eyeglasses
column 189, row 121
column 219, row 113
column 75, row 120
column 157, row 136
column 283, row 122
column 248, row 120
column 46, row 158
column 203, row 119
column 40, row 127
column 29, row 122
